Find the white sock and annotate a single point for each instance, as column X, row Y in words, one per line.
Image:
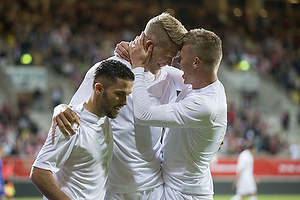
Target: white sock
column 236, row 197
column 252, row 198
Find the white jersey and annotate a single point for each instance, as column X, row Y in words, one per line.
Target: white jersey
column 246, row 183
column 197, row 122
column 80, row 164
column 136, row 164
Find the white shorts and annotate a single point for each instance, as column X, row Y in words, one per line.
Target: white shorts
column 246, row 186
column 171, row 194
column 152, row 194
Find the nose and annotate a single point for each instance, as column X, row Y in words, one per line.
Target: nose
column 123, row 100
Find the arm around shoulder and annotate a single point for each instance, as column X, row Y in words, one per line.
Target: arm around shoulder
column 64, row 117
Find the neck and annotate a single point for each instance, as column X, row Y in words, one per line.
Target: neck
column 91, row 106
column 204, row 80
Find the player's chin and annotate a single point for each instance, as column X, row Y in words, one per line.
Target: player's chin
column 113, row 114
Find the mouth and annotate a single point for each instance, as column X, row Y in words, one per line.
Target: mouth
column 118, row 109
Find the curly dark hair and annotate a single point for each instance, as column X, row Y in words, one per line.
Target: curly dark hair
column 112, row 70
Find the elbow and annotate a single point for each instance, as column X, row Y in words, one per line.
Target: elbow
column 139, row 120
column 138, row 117
column 33, row 175
column 36, row 174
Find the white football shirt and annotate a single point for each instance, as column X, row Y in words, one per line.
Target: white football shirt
column 197, row 123
column 136, row 164
column 80, row 163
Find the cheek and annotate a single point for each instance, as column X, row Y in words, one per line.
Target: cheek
column 153, row 59
column 109, row 98
column 113, row 99
column 158, row 56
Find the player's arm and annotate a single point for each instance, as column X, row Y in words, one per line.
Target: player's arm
column 45, row 182
column 122, row 51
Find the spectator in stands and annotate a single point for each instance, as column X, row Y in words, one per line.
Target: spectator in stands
column 298, row 116
column 271, row 42
column 285, row 120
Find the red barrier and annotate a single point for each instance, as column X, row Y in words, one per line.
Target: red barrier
column 263, row 167
column 17, row 167
column 222, row 167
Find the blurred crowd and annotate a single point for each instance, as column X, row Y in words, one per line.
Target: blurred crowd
column 70, row 36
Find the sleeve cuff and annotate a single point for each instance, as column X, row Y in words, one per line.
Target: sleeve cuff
column 138, row 70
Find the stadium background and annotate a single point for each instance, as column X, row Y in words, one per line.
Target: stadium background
column 47, row 46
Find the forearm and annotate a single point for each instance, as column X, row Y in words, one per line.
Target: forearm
column 45, row 182
column 170, row 115
column 144, row 112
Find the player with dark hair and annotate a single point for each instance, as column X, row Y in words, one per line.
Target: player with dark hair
column 77, row 167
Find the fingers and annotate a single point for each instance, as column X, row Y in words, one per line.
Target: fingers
column 131, row 45
column 77, row 119
column 122, row 51
column 136, row 45
column 65, row 126
column 222, row 141
column 120, row 54
column 65, row 121
column 64, row 117
column 119, row 51
column 71, row 116
column 139, row 39
column 140, row 52
column 221, row 145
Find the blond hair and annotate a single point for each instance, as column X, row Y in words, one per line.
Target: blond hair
column 206, row 45
column 165, row 29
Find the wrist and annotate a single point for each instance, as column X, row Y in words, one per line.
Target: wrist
column 137, row 65
column 138, row 70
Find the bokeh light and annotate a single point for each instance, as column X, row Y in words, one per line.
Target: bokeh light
column 26, row 59
column 244, row 65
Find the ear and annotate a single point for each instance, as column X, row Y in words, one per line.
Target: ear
column 196, row 62
column 148, row 44
column 98, row 88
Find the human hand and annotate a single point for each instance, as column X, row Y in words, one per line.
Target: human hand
column 64, row 118
column 138, row 54
column 122, row 51
column 222, row 142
